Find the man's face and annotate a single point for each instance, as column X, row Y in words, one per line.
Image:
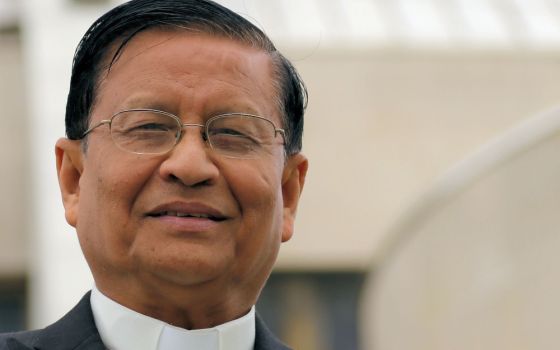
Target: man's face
column 124, row 205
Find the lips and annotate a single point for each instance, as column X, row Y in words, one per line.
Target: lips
column 188, row 210
column 184, row 215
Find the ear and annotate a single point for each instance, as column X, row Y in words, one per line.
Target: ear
column 69, row 168
column 293, row 179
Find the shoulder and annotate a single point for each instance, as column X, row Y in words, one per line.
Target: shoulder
column 19, row 340
column 76, row 330
column 265, row 339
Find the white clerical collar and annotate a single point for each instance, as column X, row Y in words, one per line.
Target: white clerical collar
column 121, row 328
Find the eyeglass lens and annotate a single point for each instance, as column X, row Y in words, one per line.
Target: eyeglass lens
column 232, row 135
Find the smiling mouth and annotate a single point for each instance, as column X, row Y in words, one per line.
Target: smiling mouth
column 187, row 215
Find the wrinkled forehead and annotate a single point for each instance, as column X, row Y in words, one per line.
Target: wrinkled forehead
column 174, row 53
column 155, row 41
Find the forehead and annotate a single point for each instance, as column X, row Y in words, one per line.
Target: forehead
column 179, row 70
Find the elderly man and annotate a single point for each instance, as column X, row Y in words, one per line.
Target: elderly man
column 181, row 173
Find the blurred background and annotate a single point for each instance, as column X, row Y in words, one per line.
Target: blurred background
column 429, row 218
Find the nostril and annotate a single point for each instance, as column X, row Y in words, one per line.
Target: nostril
column 176, row 179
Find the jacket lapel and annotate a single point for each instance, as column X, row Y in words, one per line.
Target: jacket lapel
column 75, row 331
column 264, row 339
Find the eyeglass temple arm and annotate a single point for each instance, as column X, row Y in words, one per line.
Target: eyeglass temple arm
column 102, row 122
column 281, row 132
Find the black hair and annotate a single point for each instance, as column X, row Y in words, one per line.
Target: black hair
column 118, row 26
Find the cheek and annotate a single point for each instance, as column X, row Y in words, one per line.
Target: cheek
column 99, row 206
column 258, row 193
column 107, row 195
column 258, row 241
column 256, row 188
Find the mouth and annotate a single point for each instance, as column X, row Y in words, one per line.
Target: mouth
column 179, row 214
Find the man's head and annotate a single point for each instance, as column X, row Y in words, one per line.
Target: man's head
column 102, row 44
column 188, row 235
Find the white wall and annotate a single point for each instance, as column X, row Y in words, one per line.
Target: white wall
column 14, row 171
column 59, row 275
column 383, row 125
column 474, row 266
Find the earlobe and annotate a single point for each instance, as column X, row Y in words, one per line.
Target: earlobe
column 69, row 168
column 293, row 180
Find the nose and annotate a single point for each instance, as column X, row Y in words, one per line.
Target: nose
column 190, row 161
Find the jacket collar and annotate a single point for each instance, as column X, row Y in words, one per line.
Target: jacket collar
column 77, row 331
column 264, row 339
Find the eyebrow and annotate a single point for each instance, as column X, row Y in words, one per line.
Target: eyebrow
column 143, row 101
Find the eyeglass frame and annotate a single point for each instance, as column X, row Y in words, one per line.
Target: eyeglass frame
column 181, row 126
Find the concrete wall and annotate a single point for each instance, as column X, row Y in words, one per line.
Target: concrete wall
column 382, row 126
column 15, row 213
column 475, row 266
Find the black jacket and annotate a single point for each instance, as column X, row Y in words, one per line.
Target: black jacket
column 77, row 331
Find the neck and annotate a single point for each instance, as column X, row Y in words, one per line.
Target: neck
column 193, row 307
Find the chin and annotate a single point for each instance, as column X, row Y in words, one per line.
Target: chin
column 186, row 271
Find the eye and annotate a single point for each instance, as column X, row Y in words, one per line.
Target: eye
column 226, row 132
column 232, row 141
column 144, row 122
column 152, row 126
column 232, row 137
